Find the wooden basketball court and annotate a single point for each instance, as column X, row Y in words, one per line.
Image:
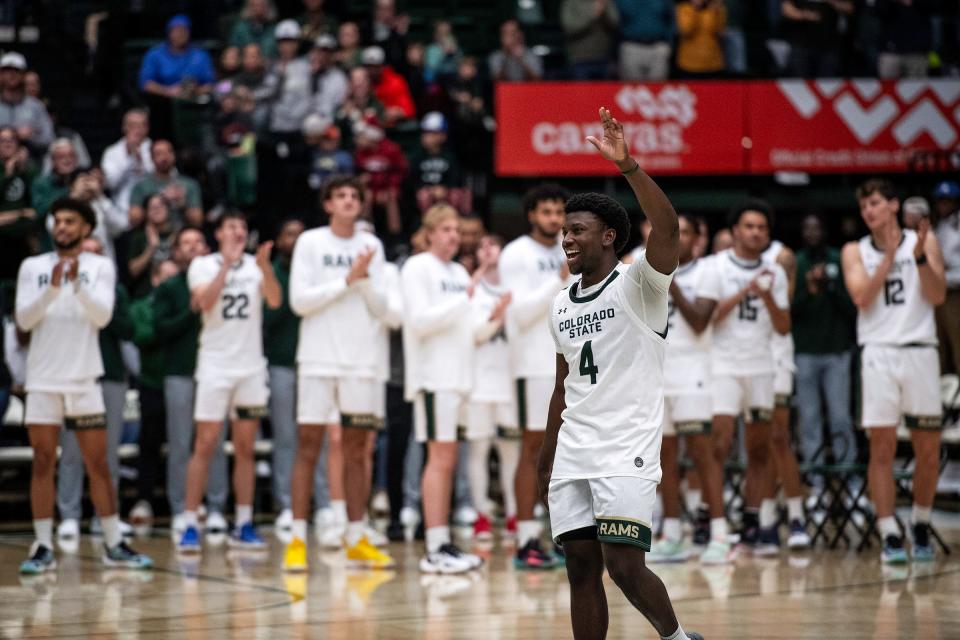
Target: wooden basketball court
column 817, row 594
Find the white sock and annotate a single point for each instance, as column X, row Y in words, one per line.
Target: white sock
column 677, row 635
column 354, row 532
column 111, row 530
column 527, row 530
column 339, row 511
column 718, row 529
column 478, row 471
column 921, row 514
column 299, row 529
column 509, row 451
column 672, row 529
column 768, row 513
column 190, row 519
column 888, row 526
column 43, row 529
column 436, row 537
column 795, row 508
column 244, row 514
column 692, row 499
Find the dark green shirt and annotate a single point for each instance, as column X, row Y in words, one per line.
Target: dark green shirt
column 176, row 326
column 152, row 352
column 824, row 322
column 281, row 327
column 120, row 328
column 137, row 244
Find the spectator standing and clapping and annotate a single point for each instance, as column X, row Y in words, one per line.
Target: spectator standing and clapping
column 700, row 25
column 388, row 30
column 471, row 118
column 258, row 83
column 17, row 216
column 127, row 161
column 946, row 197
column 823, row 319
column 51, row 186
column 256, row 26
column 443, row 54
column 181, row 192
column 26, row 114
column 149, row 244
column 314, row 21
column 348, row 37
column 435, row 171
column 813, row 29
column 328, row 82
column 174, row 69
column 381, row 167
column 359, row 105
column 906, row 37
column 514, row 62
column 646, row 30
column 590, row 27
column 389, row 87
column 327, row 158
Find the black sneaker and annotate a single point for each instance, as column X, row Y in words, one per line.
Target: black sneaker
column 701, row 527
column 395, row 531
column 693, row 635
column 532, row 556
column 922, row 548
column 750, row 531
column 123, row 556
column 893, row 551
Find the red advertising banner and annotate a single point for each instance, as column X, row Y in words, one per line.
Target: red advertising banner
column 672, row 128
column 682, row 128
column 828, row 126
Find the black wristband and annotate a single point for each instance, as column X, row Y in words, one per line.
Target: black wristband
column 636, row 167
column 921, row 259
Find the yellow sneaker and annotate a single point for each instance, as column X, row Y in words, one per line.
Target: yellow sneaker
column 363, row 554
column 295, row 557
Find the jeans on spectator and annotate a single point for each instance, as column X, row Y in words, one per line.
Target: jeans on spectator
column 590, row 70
column 829, row 375
column 283, row 420
column 178, row 395
column 640, row 61
column 735, row 50
column 153, row 429
column 70, row 469
column 813, row 63
column 902, row 65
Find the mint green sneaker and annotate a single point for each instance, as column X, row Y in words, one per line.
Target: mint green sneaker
column 39, row 561
column 664, row 550
column 717, row 552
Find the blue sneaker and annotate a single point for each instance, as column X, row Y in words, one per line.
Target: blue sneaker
column 189, row 541
column 768, row 542
column 922, row 549
column 893, row 551
column 39, row 561
column 246, row 538
column 123, row 556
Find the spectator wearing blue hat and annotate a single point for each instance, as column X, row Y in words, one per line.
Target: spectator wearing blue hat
column 434, row 169
column 946, row 197
column 173, row 69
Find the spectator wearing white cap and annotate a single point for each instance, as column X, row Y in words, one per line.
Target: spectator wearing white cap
column 328, row 81
column 18, row 110
column 915, row 209
column 291, row 103
column 434, row 169
column 389, row 86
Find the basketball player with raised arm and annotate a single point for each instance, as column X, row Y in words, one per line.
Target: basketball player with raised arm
column 64, row 298
column 895, row 278
column 229, row 289
column 337, row 288
column 600, row 463
column 687, row 409
column 747, row 301
column 533, row 270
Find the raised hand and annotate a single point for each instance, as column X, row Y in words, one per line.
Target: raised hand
column 360, row 267
column 500, row 309
column 613, row 146
column 263, row 255
column 891, row 239
column 922, row 230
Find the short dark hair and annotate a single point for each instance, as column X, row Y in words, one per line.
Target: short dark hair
column 338, row 182
column 151, row 196
column 72, row 204
column 754, row 204
column 183, row 230
column 692, row 220
column 543, row 192
column 876, row 185
column 231, row 214
column 610, row 212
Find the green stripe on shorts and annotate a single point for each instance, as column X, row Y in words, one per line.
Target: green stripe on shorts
column 624, row 531
column 923, row 423
column 430, row 411
column 251, row 413
column 366, row 421
column 522, row 404
column 89, row 421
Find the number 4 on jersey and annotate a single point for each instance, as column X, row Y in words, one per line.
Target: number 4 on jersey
column 587, row 367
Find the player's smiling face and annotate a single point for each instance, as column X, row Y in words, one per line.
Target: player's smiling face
column 585, row 237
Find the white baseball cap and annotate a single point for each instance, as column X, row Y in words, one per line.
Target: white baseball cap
column 372, row 55
column 325, row 41
column 315, row 124
column 917, row 205
column 13, row 60
column 287, row 30
column 434, row 122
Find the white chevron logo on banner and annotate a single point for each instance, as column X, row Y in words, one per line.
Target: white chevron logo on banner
column 865, row 124
column 925, row 117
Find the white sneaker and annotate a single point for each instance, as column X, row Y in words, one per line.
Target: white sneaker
column 465, row 516
column 331, row 537
column 409, row 517
column 69, row 528
column 142, row 513
column 449, row 559
column 126, row 529
column 323, row 518
column 716, row 553
column 380, row 504
column 284, row 521
column 215, row 523
column 374, row 536
column 177, row 526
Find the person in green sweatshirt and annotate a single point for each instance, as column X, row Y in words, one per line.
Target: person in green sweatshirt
column 177, row 328
column 153, row 362
column 114, row 385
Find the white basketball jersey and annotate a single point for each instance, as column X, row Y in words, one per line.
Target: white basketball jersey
column 614, row 389
column 492, row 379
column 742, row 340
column 899, row 315
column 687, row 366
column 782, row 345
column 231, row 340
